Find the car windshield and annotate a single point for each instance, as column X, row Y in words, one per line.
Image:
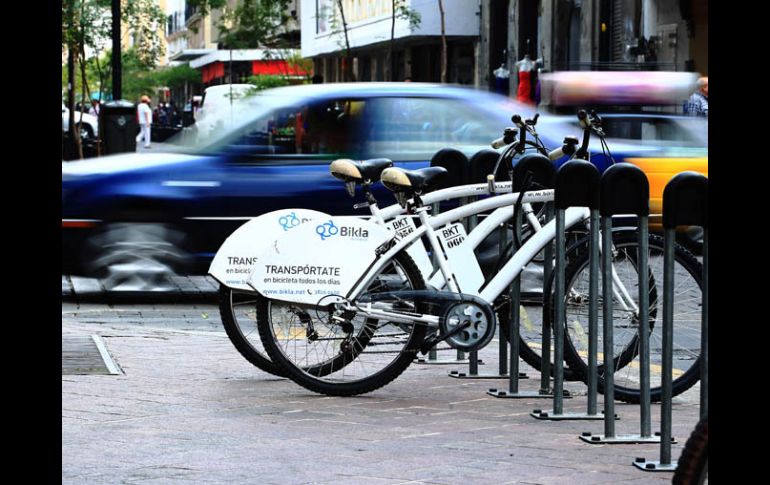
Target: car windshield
column 397, row 126
column 658, row 131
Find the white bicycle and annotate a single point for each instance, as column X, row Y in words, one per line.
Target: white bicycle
column 238, row 301
column 344, row 308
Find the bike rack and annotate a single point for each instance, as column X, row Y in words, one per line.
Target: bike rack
column 685, row 202
column 577, row 185
column 543, row 172
column 456, row 164
column 480, row 165
column 624, row 189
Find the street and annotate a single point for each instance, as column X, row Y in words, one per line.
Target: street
column 186, row 407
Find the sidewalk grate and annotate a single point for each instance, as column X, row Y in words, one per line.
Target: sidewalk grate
column 86, row 355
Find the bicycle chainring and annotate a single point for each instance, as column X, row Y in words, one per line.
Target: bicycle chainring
column 480, row 330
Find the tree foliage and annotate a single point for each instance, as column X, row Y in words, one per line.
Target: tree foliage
column 262, row 82
column 254, row 23
column 145, row 21
column 178, row 76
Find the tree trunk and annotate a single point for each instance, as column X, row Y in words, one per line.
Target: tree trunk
column 443, row 42
column 117, row 67
column 391, row 62
column 348, row 72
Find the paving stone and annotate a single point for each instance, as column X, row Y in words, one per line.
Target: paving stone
column 190, row 409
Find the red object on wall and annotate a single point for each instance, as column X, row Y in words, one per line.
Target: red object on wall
column 275, row 68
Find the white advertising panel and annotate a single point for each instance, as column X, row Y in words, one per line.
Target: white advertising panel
column 318, row 259
column 238, row 255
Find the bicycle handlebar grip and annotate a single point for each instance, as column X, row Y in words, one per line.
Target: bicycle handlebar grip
column 556, row 154
column 509, row 136
column 499, row 143
column 585, row 121
column 516, row 120
column 533, row 121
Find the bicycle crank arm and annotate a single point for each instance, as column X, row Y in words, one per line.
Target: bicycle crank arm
column 431, row 342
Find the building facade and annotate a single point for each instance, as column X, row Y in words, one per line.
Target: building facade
column 486, row 35
column 416, row 48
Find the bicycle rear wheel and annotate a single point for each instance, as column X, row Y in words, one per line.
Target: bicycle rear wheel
column 345, row 359
column 238, row 310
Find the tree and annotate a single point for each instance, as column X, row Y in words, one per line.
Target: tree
column 443, row 42
column 144, row 18
column 83, row 25
column 348, row 68
column 400, row 10
column 254, row 23
column 86, row 26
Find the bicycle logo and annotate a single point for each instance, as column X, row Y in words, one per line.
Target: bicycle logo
column 287, row 222
column 326, row 230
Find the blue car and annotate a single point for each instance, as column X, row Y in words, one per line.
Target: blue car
column 134, row 219
column 148, row 215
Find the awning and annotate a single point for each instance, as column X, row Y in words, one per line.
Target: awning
column 212, row 71
column 278, row 67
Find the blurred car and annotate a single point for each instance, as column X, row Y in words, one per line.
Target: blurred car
column 143, row 216
column 88, row 124
column 662, row 145
column 146, row 215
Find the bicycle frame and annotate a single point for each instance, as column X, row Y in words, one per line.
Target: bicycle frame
column 508, row 273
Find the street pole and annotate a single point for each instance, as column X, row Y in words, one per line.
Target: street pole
column 117, row 70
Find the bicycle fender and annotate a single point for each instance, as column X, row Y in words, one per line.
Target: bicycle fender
column 316, row 260
column 236, row 258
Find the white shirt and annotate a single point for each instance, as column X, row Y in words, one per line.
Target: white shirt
column 145, row 114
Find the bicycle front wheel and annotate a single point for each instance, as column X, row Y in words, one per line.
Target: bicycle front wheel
column 693, row 464
column 345, row 358
column 687, row 319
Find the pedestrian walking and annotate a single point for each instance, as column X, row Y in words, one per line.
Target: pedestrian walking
column 698, row 104
column 144, row 113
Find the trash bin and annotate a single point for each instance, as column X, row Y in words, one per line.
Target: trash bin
column 118, row 127
column 188, row 116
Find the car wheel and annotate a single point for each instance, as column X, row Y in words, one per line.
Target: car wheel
column 137, row 256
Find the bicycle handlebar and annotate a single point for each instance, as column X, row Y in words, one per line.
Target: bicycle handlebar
column 509, row 136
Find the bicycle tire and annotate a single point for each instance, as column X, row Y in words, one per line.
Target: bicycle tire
column 248, row 342
column 528, row 342
column 687, row 330
column 242, row 330
column 287, row 346
column 692, row 466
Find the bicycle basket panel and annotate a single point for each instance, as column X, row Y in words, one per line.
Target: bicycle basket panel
column 325, row 257
column 236, row 258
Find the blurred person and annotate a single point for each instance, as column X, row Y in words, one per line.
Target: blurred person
column 173, row 114
column 144, row 113
column 163, row 114
column 698, row 103
column 95, row 107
